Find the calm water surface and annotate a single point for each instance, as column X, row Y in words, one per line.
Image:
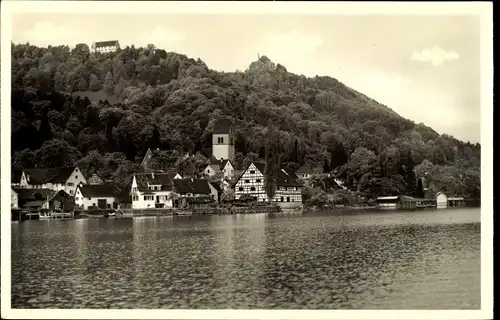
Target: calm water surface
column 391, row 260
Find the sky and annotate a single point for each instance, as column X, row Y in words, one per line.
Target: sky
column 424, row 67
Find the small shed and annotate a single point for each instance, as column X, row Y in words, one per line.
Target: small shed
column 441, row 200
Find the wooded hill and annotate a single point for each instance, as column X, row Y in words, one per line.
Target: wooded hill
column 103, row 111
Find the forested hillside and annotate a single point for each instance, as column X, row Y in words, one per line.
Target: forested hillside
column 103, row 111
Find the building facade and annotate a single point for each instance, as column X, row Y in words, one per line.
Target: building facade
column 441, row 200
column 97, row 196
column 251, row 182
column 56, row 179
column 152, row 190
column 223, row 140
column 105, row 46
column 223, row 168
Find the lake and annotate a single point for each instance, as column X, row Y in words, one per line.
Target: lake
column 321, row 260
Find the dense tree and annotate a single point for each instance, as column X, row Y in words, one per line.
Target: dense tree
column 272, row 161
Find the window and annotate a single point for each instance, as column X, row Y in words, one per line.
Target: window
column 252, row 188
column 70, row 184
column 70, row 191
column 146, row 198
column 296, row 188
column 76, row 177
column 221, row 139
column 89, row 198
column 135, row 198
column 258, row 180
column 93, row 204
column 208, row 171
column 287, row 199
column 247, row 181
column 240, row 189
column 76, row 169
column 252, row 171
column 281, row 199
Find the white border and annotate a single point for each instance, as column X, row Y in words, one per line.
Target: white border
column 483, row 9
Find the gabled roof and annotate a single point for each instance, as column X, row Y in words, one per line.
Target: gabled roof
column 220, row 163
column 29, row 194
column 215, row 167
column 284, row 178
column 106, row 43
column 155, row 178
column 194, row 186
column 97, row 190
column 50, row 175
column 222, row 126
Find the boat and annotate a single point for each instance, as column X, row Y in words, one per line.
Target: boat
column 44, row 216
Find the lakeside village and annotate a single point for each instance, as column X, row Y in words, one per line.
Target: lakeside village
column 56, row 193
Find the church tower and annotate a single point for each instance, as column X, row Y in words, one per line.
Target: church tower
column 223, row 140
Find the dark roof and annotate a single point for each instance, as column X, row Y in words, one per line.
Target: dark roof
column 222, row 126
column 220, row 163
column 284, row 178
column 106, row 43
column 52, row 175
column 194, row 186
column 29, row 194
column 97, row 190
column 155, row 178
column 217, row 186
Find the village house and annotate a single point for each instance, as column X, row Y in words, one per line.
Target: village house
column 251, row 182
column 63, row 178
column 95, row 196
column 188, row 189
column 37, row 199
column 152, row 190
column 105, row 46
column 224, row 168
column 223, row 140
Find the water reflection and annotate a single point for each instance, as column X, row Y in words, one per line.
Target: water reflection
column 313, row 260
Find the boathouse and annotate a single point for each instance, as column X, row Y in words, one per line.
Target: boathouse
column 388, row 202
column 441, row 200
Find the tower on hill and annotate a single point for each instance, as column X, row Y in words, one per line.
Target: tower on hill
column 223, row 140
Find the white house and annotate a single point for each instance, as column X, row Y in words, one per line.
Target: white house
column 223, row 167
column 152, row 190
column 56, row 179
column 441, row 200
column 105, row 46
column 99, row 196
column 251, row 182
column 14, row 199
